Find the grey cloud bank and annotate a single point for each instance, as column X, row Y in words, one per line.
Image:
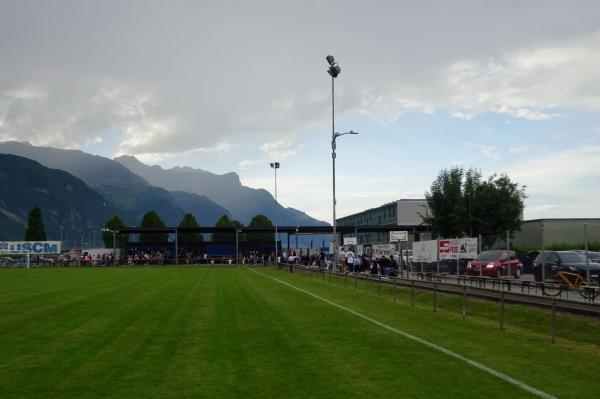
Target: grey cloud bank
column 172, row 77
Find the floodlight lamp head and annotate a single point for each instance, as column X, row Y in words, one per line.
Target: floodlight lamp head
column 334, row 70
column 330, row 59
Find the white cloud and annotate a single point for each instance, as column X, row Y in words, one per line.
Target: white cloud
column 157, row 157
column 563, row 167
column 531, row 83
column 519, row 149
column 542, row 207
column 278, row 150
column 488, row 152
column 563, row 177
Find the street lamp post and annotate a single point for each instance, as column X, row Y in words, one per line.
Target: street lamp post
column 334, row 70
column 275, row 166
column 114, row 234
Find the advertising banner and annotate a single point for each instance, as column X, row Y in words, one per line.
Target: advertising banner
column 359, row 249
column 468, row 248
column 33, row 247
column 425, row 251
column 449, row 249
column 398, row 236
column 379, row 250
column 350, row 241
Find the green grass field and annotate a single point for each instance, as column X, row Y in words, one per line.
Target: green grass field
column 229, row 332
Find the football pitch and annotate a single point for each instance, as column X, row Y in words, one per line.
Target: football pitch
column 197, row 332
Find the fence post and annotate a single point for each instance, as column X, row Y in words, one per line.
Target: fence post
column 413, row 291
column 435, row 297
column 543, row 258
column 479, row 245
column 502, row 310
column 553, row 336
column 464, row 301
column 380, row 284
column 587, row 259
column 354, row 282
column 508, row 255
column 394, row 289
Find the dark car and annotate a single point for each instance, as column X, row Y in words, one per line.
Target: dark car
column 432, row 267
column 495, row 263
column 528, row 260
column 564, row 261
column 593, row 255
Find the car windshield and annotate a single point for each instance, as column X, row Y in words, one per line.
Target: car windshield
column 572, row 257
column 489, row 255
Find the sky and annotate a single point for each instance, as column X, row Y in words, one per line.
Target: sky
column 506, row 87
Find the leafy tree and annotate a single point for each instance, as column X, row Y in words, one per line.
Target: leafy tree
column 445, row 200
column 260, row 238
column 462, row 203
column 114, row 223
column 152, row 220
column 227, row 238
column 35, row 226
column 189, row 221
column 498, row 206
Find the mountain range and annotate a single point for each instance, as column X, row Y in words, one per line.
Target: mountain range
column 243, row 202
column 130, row 188
column 65, row 200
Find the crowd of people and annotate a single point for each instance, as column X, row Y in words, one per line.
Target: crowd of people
column 346, row 262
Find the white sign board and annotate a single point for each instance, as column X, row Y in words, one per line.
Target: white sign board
column 398, row 236
column 449, row 249
column 380, row 250
column 350, row 241
column 468, row 248
column 359, row 249
column 425, row 251
column 33, row 247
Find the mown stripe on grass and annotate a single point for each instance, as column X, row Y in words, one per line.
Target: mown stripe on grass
column 422, row 341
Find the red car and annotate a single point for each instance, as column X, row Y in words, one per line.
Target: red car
column 494, row 263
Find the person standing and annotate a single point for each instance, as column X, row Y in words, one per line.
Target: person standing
column 341, row 260
column 322, row 262
column 349, row 261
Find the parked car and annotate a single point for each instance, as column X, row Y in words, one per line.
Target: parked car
column 431, row 267
column 528, row 261
column 495, row 263
column 593, row 255
column 445, row 266
column 564, row 261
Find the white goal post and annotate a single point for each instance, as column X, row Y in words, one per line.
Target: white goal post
column 12, row 258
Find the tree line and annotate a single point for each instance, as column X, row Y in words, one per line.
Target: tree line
column 36, row 232
column 152, row 220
